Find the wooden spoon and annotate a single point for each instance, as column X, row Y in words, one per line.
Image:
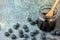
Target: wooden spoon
column 51, row 12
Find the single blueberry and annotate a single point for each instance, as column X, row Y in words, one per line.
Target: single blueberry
column 10, row 30
column 7, row 34
column 16, row 26
column 36, row 32
column 26, row 30
column 32, row 34
column 54, row 39
column 29, row 19
column 20, row 32
column 58, row 32
column 25, row 27
column 21, row 35
column 13, row 36
column 33, row 38
column 32, row 23
column 36, row 21
column 26, row 36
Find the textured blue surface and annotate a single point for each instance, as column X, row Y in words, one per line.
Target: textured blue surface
column 17, row 11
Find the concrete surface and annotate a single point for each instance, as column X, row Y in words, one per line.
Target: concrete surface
column 13, row 11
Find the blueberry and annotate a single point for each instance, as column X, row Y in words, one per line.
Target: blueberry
column 32, row 23
column 49, row 38
column 36, row 32
column 53, row 33
column 26, row 30
column 20, row 32
column 36, row 21
column 10, row 30
column 33, row 38
column 32, row 34
column 21, row 35
column 13, row 36
column 26, row 36
column 16, row 26
column 25, row 27
column 25, row 39
column 58, row 32
column 29, row 19
column 7, row 34
column 54, row 39
column 43, row 36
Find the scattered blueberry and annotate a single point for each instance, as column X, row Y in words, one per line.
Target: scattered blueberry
column 16, row 26
column 36, row 21
column 49, row 38
column 7, row 34
column 21, row 35
column 25, row 27
column 58, row 32
column 32, row 34
column 10, row 30
column 26, row 36
column 29, row 19
column 32, row 23
column 25, row 39
column 43, row 36
column 36, row 32
column 33, row 38
column 54, row 39
column 53, row 33
column 20, row 32
column 13, row 36
column 26, row 30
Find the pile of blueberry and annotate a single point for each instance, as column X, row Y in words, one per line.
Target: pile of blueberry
column 21, row 33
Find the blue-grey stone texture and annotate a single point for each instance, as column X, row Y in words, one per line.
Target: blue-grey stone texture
column 17, row 11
